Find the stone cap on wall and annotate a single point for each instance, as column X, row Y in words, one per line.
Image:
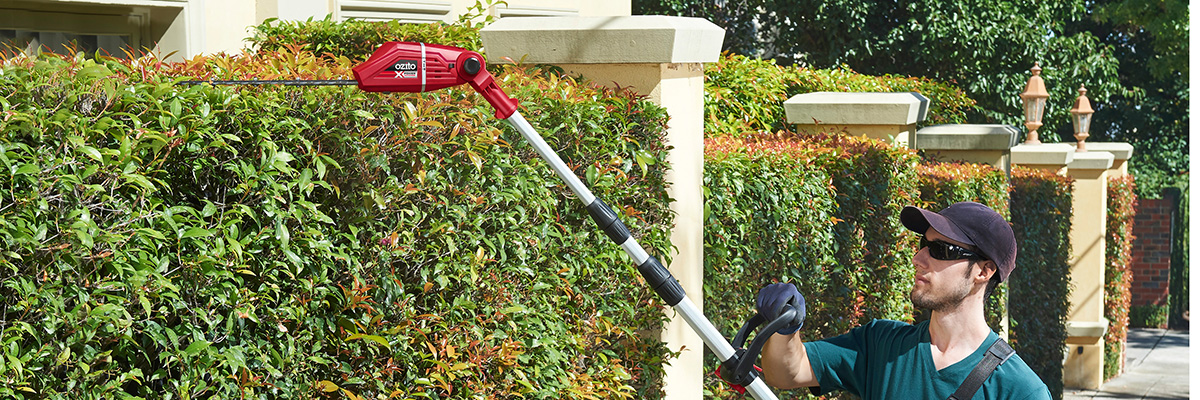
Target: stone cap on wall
column 1091, row 160
column 1087, row 328
column 837, row 108
column 967, row 137
column 638, row 39
column 1043, row 154
column 1119, row 150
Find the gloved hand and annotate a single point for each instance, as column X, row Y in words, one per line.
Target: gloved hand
column 773, row 297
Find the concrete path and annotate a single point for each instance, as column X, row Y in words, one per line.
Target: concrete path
column 1156, row 368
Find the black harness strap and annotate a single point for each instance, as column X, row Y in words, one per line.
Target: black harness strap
column 996, row 355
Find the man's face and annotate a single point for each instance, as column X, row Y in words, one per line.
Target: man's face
column 938, row 284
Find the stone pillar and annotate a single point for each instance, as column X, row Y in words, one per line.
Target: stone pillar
column 1051, row 157
column 661, row 57
column 1086, row 325
column 1121, row 153
column 891, row 117
column 984, row 144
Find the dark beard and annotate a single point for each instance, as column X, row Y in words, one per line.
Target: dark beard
column 942, row 301
column 946, row 301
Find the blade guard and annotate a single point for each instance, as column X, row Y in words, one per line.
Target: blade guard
column 419, row 67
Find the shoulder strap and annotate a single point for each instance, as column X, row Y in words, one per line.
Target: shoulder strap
column 996, row 355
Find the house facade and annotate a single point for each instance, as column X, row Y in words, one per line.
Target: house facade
column 186, row 28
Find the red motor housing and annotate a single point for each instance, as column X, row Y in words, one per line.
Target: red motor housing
column 419, row 67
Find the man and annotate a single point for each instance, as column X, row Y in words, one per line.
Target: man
column 967, row 249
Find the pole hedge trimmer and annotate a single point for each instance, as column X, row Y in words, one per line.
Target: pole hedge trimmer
column 418, row 67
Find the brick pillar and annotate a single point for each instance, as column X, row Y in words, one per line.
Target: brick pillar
column 1151, row 263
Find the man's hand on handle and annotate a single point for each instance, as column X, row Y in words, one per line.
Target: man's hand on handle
column 784, row 360
column 772, row 299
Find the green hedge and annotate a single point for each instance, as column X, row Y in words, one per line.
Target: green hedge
column 356, row 40
column 180, row 242
column 874, row 181
column 1118, row 246
column 1149, row 316
column 946, row 183
column 820, row 211
column 1040, row 285
column 1180, row 285
column 745, row 95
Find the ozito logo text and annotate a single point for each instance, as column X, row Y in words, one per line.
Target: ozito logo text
column 404, row 68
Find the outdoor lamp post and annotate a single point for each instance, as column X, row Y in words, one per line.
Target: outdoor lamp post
column 1081, row 115
column 1034, row 99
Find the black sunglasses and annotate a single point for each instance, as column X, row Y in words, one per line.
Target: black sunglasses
column 948, row 252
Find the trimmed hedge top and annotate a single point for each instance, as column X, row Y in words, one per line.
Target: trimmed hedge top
column 356, row 40
column 745, row 95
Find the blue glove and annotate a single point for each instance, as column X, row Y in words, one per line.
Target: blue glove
column 773, row 297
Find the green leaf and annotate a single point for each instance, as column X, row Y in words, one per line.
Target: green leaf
column 25, row 169
column 63, row 356
column 377, row 339
column 327, row 386
column 94, row 71
column 152, row 233
column 209, row 209
column 196, row 232
column 644, row 160
column 282, row 233
column 139, row 180
column 91, row 152
column 292, row 257
column 196, row 347
column 85, row 238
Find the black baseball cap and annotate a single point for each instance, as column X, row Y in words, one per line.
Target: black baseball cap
column 973, row 224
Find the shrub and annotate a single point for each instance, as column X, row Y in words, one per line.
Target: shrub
column 874, row 181
column 942, row 184
column 820, row 211
column 1040, row 286
column 1149, row 316
column 1118, row 246
column 1180, row 285
column 356, row 40
column 745, row 95
column 170, row 241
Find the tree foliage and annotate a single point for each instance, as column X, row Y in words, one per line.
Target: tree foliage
column 1149, row 38
column 1130, row 54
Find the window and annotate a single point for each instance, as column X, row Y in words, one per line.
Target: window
column 61, row 42
column 66, row 29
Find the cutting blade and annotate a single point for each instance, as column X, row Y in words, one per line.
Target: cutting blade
column 282, row 82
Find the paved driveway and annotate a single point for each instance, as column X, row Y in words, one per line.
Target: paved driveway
column 1156, row 368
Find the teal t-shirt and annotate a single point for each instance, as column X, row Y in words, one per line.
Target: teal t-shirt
column 891, row 360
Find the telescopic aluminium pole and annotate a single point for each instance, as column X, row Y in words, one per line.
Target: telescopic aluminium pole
column 655, row 274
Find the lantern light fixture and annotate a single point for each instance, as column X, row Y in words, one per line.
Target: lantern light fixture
column 1081, row 115
column 1034, row 101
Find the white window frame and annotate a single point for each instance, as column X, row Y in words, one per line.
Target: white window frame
column 405, row 11
column 133, row 22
